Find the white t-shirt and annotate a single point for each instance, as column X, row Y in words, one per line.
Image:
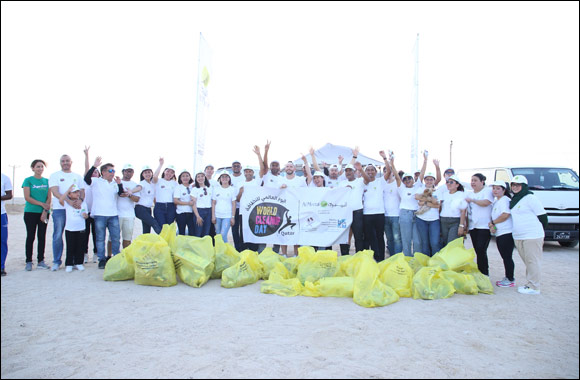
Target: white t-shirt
column 357, row 187
column 441, row 191
column 294, row 182
column 125, row 206
column 202, row 198
column 164, row 191
column 499, row 207
column 74, row 216
column 147, row 194
column 433, row 213
column 105, row 196
column 332, row 183
column 373, row 198
column 6, row 186
column 272, row 181
column 452, row 204
column 391, row 198
column 183, row 193
column 64, row 181
column 479, row 217
column 407, row 194
column 89, row 198
column 526, row 224
column 224, row 197
column 236, row 181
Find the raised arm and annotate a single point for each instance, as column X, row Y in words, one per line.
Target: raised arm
column 314, row 162
column 156, row 174
column 354, row 155
column 387, row 165
column 424, row 167
column 437, row 171
column 340, row 159
column 263, row 169
column 397, row 177
column 306, row 169
column 364, row 174
column 87, row 165
column 266, row 150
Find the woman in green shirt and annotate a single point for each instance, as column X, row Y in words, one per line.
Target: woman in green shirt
column 36, row 212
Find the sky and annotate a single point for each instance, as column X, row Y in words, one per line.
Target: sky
column 499, row 79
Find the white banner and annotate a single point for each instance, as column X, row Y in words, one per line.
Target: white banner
column 318, row 217
column 204, row 72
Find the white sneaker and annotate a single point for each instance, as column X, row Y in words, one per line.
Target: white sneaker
column 527, row 290
column 86, row 258
column 95, row 258
column 80, row 267
column 69, row 268
column 54, row 267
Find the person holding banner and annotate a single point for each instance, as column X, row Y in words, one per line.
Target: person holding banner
column 223, row 205
column 270, row 179
column 291, row 180
column 248, row 183
column 201, row 194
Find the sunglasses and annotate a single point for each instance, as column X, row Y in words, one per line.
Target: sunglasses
column 111, row 170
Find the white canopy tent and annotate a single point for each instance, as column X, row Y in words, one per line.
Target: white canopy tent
column 329, row 153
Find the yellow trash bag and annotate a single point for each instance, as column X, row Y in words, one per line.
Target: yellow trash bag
column 225, row 256
column 483, row 282
column 463, row 283
column 269, row 259
column 351, row 266
column 330, row 287
column 245, row 272
column 428, row 284
column 369, row 291
column 312, row 266
column 453, row 256
column 291, row 264
column 398, row 275
column 279, row 272
column 169, row 234
column 418, row 261
column 194, row 259
column 153, row 264
column 290, row 287
column 148, row 238
column 343, row 260
column 120, row 267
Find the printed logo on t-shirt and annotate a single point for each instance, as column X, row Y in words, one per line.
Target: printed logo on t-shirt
column 62, row 180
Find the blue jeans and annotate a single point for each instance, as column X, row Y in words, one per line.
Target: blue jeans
column 4, row 238
column 164, row 213
column 203, row 230
column 101, row 224
column 58, row 220
column 429, row 232
column 409, row 233
column 237, row 232
column 222, row 227
column 144, row 213
column 185, row 219
column 393, row 232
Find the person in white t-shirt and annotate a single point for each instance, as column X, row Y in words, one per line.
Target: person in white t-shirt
column 479, row 213
column 164, row 211
column 428, row 223
column 529, row 220
column 453, row 213
column 249, row 182
column 373, row 212
column 184, row 203
column 357, row 187
column 74, row 229
column 146, row 190
column 59, row 183
column 407, row 219
column 6, row 195
column 291, row 180
column 90, row 222
column 501, row 225
column 237, row 179
column 201, row 195
column 126, row 205
column 223, row 205
column 213, row 184
column 105, row 193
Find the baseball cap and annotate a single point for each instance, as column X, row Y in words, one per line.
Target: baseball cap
column 499, row 183
column 334, row 166
column 275, row 161
column 128, row 166
column 454, row 178
column 183, row 171
column 349, row 166
column 171, row 167
column 248, row 167
column 145, row 167
column 519, row 179
column 236, row 162
column 318, row 173
column 74, row 188
column 449, row 170
column 430, row 174
column 208, row 165
column 407, row 175
column 222, row 173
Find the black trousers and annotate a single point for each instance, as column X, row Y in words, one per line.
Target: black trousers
column 74, row 247
column 505, row 246
column 374, row 235
column 357, row 228
column 90, row 226
column 480, row 239
column 34, row 227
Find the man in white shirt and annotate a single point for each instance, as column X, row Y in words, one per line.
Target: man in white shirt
column 237, row 179
column 249, row 182
column 213, row 184
column 357, row 187
column 105, row 194
column 59, row 183
column 126, row 205
column 6, row 195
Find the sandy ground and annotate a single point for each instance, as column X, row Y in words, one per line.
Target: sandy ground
column 75, row 325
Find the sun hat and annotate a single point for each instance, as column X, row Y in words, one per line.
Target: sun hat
column 519, row 179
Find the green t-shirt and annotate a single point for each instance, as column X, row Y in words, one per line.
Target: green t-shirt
column 38, row 191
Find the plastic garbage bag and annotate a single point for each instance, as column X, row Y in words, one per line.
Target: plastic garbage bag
column 463, row 283
column 418, row 261
column 194, row 259
column 369, row 291
column 120, row 267
column 169, row 234
column 290, row 287
column 269, row 259
column 245, row 272
column 428, row 284
column 153, row 264
column 225, row 256
column 330, row 287
column 483, row 282
column 453, row 256
column 312, row 266
column 398, row 275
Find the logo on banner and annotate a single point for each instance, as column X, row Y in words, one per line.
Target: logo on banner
column 270, row 218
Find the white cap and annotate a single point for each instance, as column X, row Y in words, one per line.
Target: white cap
column 145, row 167
column 350, row 166
column 171, row 167
column 370, row 166
column 183, row 171
column 222, row 173
column 318, row 173
column 236, row 161
column 74, row 188
column 208, row 165
column 275, row 161
column 248, row 167
column 430, row 174
column 333, row 166
column 499, row 183
column 519, row 179
column 407, row 175
column 128, row 166
column 454, row 178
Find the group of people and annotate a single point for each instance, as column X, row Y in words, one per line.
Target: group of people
column 409, row 209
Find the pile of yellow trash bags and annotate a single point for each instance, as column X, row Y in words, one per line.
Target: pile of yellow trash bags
column 158, row 260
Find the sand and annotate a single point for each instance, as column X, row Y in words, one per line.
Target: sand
column 75, row 325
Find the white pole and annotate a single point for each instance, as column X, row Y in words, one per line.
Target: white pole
column 415, row 137
column 195, row 168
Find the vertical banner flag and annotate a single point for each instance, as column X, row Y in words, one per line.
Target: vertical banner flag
column 318, row 217
column 204, row 72
column 415, row 132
